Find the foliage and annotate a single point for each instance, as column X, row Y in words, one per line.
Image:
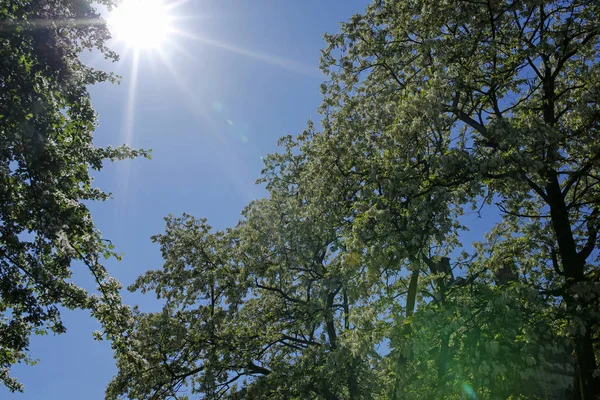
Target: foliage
column 431, row 108
column 503, row 99
column 268, row 302
column 46, row 153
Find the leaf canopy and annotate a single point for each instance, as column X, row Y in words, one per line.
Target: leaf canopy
column 350, row 281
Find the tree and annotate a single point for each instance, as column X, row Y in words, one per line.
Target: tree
column 46, row 153
column 431, row 107
column 269, row 308
column 491, row 340
column 506, row 94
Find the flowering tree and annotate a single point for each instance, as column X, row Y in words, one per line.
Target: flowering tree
column 350, row 281
column 46, row 152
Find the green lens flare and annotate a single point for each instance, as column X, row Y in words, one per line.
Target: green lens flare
column 469, row 391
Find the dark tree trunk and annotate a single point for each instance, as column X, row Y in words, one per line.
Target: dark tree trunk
column 573, row 266
column 443, row 360
column 443, row 266
column 412, row 293
column 587, row 386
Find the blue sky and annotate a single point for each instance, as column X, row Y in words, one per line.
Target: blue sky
column 208, row 117
column 209, row 111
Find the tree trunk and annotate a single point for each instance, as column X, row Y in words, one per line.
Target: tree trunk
column 587, row 385
column 412, row 293
column 353, row 389
column 573, row 266
column 442, row 266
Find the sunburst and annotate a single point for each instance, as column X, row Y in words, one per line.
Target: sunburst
column 142, row 24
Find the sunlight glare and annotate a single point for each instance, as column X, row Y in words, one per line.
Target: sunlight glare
column 141, row 24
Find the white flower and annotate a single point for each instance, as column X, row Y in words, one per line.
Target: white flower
column 63, row 242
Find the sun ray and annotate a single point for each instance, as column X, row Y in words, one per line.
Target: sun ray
column 171, row 44
column 203, row 17
column 199, row 110
column 281, row 62
column 11, row 25
column 129, row 125
column 154, row 68
column 175, row 4
column 185, row 88
column 131, row 100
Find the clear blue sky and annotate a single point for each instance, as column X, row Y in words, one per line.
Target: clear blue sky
column 209, row 113
column 208, row 128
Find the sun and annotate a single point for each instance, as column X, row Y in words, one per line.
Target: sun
column 141, row 24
